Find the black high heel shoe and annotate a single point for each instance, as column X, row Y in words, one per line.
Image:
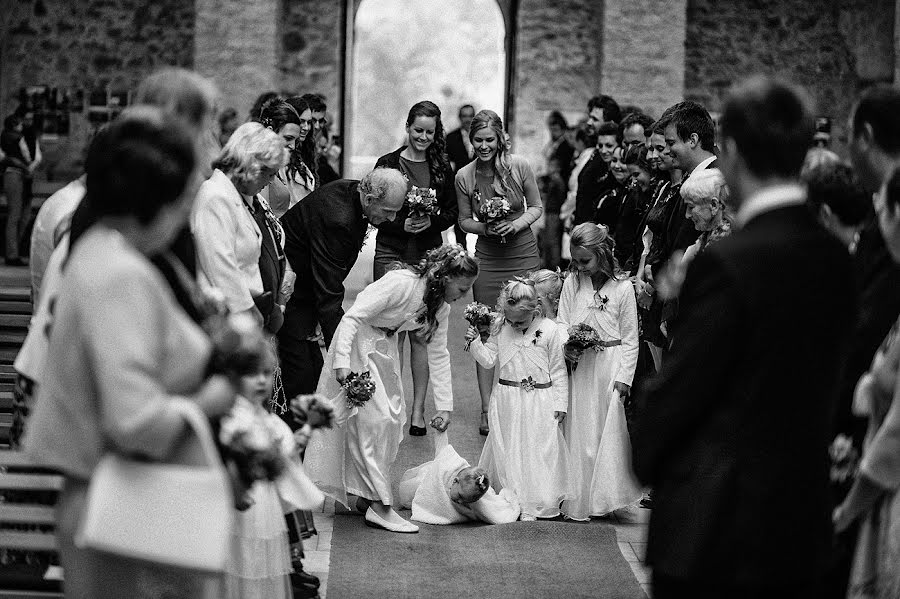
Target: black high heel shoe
column 484, row 429
column 417, row 431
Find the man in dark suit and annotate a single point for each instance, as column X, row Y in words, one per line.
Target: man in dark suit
column 323, row 237
column 738, row 421
column 461, row 152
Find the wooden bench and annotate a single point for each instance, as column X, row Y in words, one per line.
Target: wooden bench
column 27, row 520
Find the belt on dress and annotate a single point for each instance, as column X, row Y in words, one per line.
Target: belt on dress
column 612, row 343
column 528, row 384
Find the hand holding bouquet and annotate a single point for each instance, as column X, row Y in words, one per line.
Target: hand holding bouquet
column 358, row 388
column 422, row 202
column 312, row 412
column 582, row 336
column 844, row 460
column 238, row 344
column 494, row 211
column 479, row 316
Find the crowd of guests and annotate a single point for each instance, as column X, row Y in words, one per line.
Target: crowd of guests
column 742, row 286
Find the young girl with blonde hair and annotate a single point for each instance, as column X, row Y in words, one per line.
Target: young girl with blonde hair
column 525, row 451
column 600, row 449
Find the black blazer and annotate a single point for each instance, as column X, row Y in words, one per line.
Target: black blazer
column 737, row 424
column 594, row 180
column 392, row 235
column 323, row 236
column 456, row 150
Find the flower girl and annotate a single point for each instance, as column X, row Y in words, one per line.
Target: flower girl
column 599, row 446
column 260, row 561
column 525, row 450
column 548, row 284
column 356, row 456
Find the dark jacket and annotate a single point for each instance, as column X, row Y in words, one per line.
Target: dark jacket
column 323, row 236
column 594, row 180
column 740, row 417
column 456, row 149
column 392, row 235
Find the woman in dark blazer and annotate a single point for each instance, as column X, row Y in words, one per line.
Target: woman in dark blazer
column 423, row 160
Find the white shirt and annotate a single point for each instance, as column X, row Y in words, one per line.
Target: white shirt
column 703, row 164
column 228, row 242
column 768, row 199
column 50, row 225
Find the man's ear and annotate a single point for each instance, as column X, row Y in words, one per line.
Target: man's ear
column 866, row 136
column 694, row 140
column 825, row 213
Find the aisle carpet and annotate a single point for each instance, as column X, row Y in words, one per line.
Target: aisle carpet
column 523, row 559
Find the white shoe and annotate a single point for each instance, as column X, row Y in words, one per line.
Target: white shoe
column 528, row 518
column 376, row 521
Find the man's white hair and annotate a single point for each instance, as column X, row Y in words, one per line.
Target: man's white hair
column 380, row 181
column 703, row 186
column 250, row 149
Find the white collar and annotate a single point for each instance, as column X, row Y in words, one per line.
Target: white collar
column 768, row 199
column 703, row 164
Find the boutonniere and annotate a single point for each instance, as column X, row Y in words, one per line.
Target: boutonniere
column 602, row 300
column 537, row 335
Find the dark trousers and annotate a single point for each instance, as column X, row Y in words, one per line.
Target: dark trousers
column 669, row 587
column 301, row 363
column 17, row 187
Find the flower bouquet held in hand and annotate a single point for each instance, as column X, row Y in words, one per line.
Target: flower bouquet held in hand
column 238, row 345
column 312, row 412
column 358, row 388
column 582, row 337
column 493, row 211
column 251, row 448
column 422, row 202
column 844, row 461
column 479, row 316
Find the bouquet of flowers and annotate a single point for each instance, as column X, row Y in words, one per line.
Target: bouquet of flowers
column 312, row 412
column 582, row 337
column 251, row 448
column 494, row 210
column 422, row 201
column 844, row 460
column 238, row 344
column 359, row 388
column 479, row 316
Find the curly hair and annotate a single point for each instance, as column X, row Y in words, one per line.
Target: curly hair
column 502, row 172
column 597, row 240
column 303, row 155
column 251, row 148
column 438, row 163
column 276, row 113
column 437, row 267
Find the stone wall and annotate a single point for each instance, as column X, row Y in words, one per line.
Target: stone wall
column 558, row 66
column 88, row 44
column 833, row 49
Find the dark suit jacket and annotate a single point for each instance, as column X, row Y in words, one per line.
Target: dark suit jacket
column 737, row 424
column 324, row 234
column 594, row 180
column 456, row 150
column 271, row 266
column 391, row 234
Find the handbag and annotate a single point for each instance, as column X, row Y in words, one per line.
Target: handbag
column 171, row 514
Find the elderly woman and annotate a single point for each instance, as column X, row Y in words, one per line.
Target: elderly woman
column 873, row 498
column 127, row 361
column 230, row 224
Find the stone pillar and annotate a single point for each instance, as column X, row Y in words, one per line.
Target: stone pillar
column 236, row 44
column 643, row 52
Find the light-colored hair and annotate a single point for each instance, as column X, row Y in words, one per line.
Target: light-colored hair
column 597, row 240
column 548, row 284
column 517, row 294
column 180, row 92
column 380, row 181
column 817, row 157
column 703, row 186
column 251, row 148
column 502, row 172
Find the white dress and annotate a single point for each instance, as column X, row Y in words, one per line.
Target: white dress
column 596, row 432
column 525, row 450
column 356, row 455
column 260, row 559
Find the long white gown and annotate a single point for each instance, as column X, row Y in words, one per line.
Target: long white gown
column 596, row 431
column 525, row 450
column 355, row 456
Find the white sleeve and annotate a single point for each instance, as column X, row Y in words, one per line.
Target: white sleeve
column 485, row 353
column 214, row 226
column 628, row 328
column 439, row 363
column 567, row 301
column 558, row 373
column 370, row 303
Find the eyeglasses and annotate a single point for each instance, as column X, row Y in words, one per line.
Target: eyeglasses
column 320, row 122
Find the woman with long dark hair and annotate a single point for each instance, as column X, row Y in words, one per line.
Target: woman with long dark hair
column 406, row 239
column 506, row 246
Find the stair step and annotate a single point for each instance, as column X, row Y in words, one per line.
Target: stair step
column 15, row 294
column 16, row 338
column 15, row 307
column 8, row 355
column 15, row 321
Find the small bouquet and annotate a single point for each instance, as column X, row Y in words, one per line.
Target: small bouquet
column 238, row 344
column 359, row 388
column 494, row 210
column 844, row 460
column 422, row 202
column 479, row 316
column 583, row 337
column 312, row 412
column 252, row 449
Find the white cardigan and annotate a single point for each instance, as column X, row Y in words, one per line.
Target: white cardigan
column 228, row 242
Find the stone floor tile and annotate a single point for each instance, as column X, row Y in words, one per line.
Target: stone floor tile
column 627, row 552
column 641, row 572
column 317, row 561
column 323, row 522
column 631, row 532
column 640, row 550
column 324, row 543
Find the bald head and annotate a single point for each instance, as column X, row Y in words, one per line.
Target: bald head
column 382, row 193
